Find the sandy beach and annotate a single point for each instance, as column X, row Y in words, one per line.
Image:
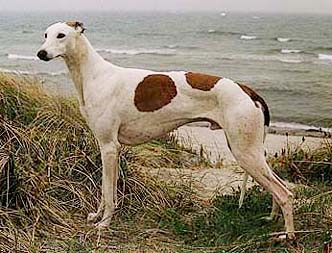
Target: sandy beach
column 215, row 146
column 226, row 174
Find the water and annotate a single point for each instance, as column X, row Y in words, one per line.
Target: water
column 286, row 58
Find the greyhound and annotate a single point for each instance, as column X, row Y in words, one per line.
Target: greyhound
column 132, row 106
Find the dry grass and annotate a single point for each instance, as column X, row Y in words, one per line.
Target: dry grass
column 51, row 175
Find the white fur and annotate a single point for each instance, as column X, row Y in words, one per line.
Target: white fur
column 106, row 95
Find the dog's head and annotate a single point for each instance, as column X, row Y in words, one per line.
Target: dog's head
column 59, row 38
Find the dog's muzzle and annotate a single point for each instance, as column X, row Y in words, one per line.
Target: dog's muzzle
column 42, row 54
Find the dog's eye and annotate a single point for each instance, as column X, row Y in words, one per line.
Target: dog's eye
column 45, row 35
column 61, row 35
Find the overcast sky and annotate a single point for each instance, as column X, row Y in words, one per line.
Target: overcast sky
column 298, row 6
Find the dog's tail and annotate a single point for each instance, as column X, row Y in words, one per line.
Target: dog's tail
column 265, row 109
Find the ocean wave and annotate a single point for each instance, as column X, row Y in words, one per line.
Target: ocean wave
column 293, row 61
column 250, row 57
column 327, row 48
column 321, row 49
column 290, row 51
column 139, row 51
column 151, row 34
column 58, row 73
column 325, row 57
column 283, row 39
column 266, row 58
column 216, row 32
column 248, row 37
column 16, row 72
column 174, row 46
column 26, row 72
column 22, row 57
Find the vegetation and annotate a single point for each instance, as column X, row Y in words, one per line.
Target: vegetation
column 50, row 178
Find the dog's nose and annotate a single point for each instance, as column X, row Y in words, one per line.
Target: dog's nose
column 42, row 54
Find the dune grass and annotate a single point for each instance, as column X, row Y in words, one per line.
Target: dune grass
column 51, row 173
column 50, row 178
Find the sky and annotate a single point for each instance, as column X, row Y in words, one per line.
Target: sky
column 287, row 6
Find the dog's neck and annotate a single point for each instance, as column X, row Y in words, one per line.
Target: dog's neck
column 82, row 61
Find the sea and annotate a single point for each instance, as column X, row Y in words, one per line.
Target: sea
column 287, row 58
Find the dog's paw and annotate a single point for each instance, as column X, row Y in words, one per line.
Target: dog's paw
column 291, row 237
column 103, row 224
column 286, row 237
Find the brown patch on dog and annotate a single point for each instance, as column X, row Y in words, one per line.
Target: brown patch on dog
column 258, row 100
column 201, row 81
column 154, row 92
column 76, row 24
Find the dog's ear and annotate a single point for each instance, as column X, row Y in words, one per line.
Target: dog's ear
column 77, row 25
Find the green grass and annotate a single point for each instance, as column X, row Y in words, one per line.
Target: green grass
column 50, row 178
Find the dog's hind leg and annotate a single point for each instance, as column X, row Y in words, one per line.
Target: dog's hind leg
column 275, row 207
column 245, row 134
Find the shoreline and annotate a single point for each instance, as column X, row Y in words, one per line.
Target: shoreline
column 311, row 131
column 213, row 144
column 285, row 128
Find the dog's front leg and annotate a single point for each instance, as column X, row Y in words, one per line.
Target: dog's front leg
column 110, row 156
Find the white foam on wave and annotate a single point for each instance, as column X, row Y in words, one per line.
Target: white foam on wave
column 22, row 57
column 251, row 57
column 299, row 126
column 16, row 72
column 26, row 72
column 283, row 39
column 325, row 57
column 212, row 31
column 266, row 58
column 248, row 37
column 293, row 61
column 172, row 46
column 223, row 14
column 58, row 73
column 139, row 51
column 290, row 51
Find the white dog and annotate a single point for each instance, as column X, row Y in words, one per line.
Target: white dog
column 131, row 106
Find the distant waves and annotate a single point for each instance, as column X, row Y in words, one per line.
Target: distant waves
column 284, row 55
column 22, row 57
column 26, row 72
column 140, row 51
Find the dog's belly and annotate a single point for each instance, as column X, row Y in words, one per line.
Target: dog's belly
column 131, row 134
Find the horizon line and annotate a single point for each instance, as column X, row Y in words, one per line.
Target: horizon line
column 180, row 11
